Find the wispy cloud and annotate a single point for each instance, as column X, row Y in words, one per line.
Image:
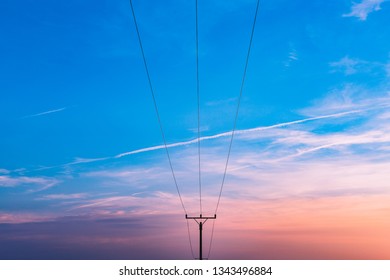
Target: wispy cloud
column 362, row 9
column 79, row 160
column 348, row 97
column 131, row 205
column 292, row 57
column 64, row 196
column 301, row 179
column 134, row 177
column 241, row 133
column 45, row 113
column 317, row 155
column 314, row 143
column 4, row 171
column 387, row 68
column 39, row 183
column 76, row 161
column 238, row 132
column 347, row 65
column 306, row 155
column 350, row 66
column 24, row 217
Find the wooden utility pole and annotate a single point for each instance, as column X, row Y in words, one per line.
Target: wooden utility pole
column 201, row 221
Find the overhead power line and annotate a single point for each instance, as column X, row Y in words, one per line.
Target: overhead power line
column 235, row 120
column 155, row 105
column 238, row 104
column 198, row 98
column 199, row 219
column 189, row 238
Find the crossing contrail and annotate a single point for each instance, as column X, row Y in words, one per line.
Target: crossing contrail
column 237, row 132
column 204, row 138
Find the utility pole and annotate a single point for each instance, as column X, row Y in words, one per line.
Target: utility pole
column 201, row 221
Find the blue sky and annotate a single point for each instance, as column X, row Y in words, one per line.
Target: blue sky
column 81, row 148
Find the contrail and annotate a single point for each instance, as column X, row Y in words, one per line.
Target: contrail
column 194, row 141
column 45, row 113
column 243, row 131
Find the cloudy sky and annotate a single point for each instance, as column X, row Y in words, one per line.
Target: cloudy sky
column 83, row 170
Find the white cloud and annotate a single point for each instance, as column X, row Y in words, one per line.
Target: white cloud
column 361, row 10
column 279, row 148
column 79, row 160
column 347, row 65
column 349, row 97
column 155, row 203
column 303, row 158
column 4, row 171
column 253, row 176
column 40, row 183
column 131, row 176
column 76, row 161
column 237, row 132
column 311, row 143
column 329, row 108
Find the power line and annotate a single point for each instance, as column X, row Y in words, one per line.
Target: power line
column 202, row 219
column 198, row 97
column 211, row 240
column 235, row 119
column 189, row 238
column 155, row 105
column 238, row 104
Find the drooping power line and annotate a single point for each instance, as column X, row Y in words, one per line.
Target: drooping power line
column 189, row 239
column 235, row 120
column 198, row 98
column 200, row 220
column 238, row 104
column 155, row 105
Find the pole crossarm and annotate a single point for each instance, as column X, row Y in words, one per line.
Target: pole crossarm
column 201, row 217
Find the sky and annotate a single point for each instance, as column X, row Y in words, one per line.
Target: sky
column 83, row 170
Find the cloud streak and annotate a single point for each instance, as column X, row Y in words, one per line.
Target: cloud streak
column 315, row 199
column 40, row 183
column 350, row 66
column 243, row 132
column 63, row 196
column 238, row 132
column 45, row 113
